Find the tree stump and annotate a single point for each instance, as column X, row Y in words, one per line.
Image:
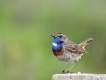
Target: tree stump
column 79, row 76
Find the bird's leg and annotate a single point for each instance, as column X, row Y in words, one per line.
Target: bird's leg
column 65, row 68
column 71, row 67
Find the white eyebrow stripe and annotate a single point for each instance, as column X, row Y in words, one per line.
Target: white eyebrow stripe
column 54, row 44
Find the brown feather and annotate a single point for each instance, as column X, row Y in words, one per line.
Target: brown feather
column 84, row 43
column 76, row 49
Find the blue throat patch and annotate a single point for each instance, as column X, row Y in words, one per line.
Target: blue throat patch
column 56, row 44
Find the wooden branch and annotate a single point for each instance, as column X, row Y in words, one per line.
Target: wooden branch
column 79, row 76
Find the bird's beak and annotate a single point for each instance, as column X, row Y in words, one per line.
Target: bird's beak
column 52, row 35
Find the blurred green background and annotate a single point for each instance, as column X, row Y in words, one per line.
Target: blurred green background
column 25, row 41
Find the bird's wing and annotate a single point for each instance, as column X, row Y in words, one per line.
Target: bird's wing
column 78, row 48
column 75, row 48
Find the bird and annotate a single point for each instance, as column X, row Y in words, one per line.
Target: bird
column 67, row 51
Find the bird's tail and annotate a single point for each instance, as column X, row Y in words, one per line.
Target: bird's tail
column 84, row 43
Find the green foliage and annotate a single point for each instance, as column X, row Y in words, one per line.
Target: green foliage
column 25, row 41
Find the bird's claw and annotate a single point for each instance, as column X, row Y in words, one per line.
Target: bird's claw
column 68, row 71
column 63, row 71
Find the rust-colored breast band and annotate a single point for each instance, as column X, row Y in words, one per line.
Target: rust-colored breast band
column 58, row 53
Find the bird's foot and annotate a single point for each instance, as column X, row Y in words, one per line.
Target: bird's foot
column 63, row 72
column 69, row 72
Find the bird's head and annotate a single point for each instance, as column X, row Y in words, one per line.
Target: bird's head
column 58, row 40
column 59, row 36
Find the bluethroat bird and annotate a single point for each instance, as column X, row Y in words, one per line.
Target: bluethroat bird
column 67, row 51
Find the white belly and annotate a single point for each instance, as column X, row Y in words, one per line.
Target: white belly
column 69, row 57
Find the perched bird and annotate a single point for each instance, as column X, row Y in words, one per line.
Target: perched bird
column 67, row 51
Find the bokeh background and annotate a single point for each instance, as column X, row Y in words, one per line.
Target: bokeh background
column 25, row 41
